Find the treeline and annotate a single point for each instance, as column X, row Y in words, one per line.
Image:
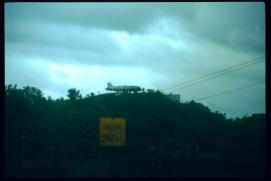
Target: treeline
column 55, row 138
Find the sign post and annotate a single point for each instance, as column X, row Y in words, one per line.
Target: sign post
column 112, row 139
column 112, row 131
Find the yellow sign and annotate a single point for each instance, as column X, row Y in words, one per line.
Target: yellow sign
column 112, row 131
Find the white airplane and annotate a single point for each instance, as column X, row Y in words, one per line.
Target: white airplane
column 123, row 88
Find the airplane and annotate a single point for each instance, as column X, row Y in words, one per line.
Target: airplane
column 123, row 88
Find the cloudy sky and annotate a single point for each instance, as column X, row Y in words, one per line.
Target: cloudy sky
column 57, row 46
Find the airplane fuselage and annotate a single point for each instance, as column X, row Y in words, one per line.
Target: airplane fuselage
column 124, row 88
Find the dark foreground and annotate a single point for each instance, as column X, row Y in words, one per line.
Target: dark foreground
column 56, row 138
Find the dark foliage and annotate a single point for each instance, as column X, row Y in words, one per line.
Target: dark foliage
column 74, row 95
column 55, row 138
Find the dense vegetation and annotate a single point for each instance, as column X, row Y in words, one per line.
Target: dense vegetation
column 45, row 137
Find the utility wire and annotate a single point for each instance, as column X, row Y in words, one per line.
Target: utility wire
column 219, row 75
column 229, row 91
column 207, row 75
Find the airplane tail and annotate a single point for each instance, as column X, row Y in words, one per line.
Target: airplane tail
column 109, row 85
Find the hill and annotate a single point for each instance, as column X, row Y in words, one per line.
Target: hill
column 55, row 138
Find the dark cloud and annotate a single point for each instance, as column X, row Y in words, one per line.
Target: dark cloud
column 237, row 25
column 130, row 17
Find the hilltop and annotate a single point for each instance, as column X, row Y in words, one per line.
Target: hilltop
column 164, row 138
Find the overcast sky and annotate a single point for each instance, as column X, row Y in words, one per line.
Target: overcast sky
column 57, row 46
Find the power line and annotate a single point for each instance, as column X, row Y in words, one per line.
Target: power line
column 229, row 91
column 207, row 75
column 219, row 75
column 247, row 62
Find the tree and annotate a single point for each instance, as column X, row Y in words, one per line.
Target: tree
column 74, row 94
column 90, row 95
column 11, row 90
column 32, row 94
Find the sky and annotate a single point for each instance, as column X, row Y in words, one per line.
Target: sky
column 58, row 46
